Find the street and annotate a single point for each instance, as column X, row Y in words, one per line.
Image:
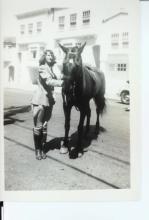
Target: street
column 105, row 163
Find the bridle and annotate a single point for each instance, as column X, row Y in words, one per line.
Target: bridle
column 70, row 94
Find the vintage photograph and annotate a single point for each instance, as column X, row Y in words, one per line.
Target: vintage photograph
column 66, row 90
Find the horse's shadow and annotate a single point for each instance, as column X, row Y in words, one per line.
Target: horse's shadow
column 55, row 143
column 87, row 138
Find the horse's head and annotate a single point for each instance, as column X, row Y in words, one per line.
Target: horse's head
column 72, row 62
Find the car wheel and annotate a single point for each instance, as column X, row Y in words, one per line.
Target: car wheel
column 125, row 97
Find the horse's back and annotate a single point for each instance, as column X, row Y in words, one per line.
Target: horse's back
column 94, row 81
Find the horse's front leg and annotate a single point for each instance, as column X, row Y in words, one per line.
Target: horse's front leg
column 67, row 112
column 78, row 151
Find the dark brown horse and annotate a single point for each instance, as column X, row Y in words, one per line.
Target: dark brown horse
column 81, row 84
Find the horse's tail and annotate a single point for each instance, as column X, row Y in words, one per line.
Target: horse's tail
column 100, row 97
column 102, row 105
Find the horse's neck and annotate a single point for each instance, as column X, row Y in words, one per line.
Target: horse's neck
column 79, row 83
column 86, row 84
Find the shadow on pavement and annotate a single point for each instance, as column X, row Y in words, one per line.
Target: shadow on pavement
column 119, row 102
column 11, row 111
column 55, row 143
column 79, row 170
column 87, row 138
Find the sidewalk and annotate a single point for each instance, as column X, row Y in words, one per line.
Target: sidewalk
column 16, row 98
column 16, row 101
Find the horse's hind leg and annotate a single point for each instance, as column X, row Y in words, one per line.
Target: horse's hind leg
column 80, row 133
column 88, row 114
column 97, row 127
column 100, row 104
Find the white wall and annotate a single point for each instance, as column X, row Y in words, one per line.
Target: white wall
column 34, row 37
column 94, row 33
column 115, row 80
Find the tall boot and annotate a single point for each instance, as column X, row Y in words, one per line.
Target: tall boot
column 37, row 141
column 44, row 138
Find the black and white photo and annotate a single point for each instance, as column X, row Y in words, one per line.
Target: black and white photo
column 70, row 79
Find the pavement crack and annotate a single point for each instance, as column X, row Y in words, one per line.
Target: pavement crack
column 109, row 156
column 66, row 164
column 93, row 151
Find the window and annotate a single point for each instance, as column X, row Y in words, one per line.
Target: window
column 11, row 73
column 34, row 53
column 86, row 17
column 125, row 41
column 22, row 29
column 39, row 27
column 115, row 36
column 61, row 22
column 121, row 67
column 30, row 28
column 115, row 40
column 112, row 66
column 73, row 19
column 20, row 57
column 125, row 35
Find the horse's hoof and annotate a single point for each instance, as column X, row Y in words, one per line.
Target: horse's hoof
column 63, row 150
column 38, row 155
column 43, row 154
column 80, row 154
column 73, row 154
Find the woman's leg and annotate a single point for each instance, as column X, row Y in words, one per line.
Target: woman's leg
column 47, row 116
column 38, row 115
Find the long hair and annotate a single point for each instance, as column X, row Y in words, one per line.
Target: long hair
column 42, row 60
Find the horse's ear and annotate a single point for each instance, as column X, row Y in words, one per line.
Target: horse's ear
column 81, row 48
column 64, row 49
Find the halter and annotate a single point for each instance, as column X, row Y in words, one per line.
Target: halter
column 70, row 95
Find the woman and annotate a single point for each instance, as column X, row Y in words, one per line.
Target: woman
column 43, row 101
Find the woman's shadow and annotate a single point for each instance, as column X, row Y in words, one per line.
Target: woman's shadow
column 55, row 143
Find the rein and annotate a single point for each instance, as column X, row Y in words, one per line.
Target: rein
column 71, row 94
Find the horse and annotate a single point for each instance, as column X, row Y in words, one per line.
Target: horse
column 81, row 84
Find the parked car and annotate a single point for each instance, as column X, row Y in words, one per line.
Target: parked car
column 124, row 94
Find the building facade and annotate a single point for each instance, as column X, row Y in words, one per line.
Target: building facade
column 115, row 51
column 41, row 29
column 9, row 62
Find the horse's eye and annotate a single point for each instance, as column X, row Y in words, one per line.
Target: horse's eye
column 73, row 50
